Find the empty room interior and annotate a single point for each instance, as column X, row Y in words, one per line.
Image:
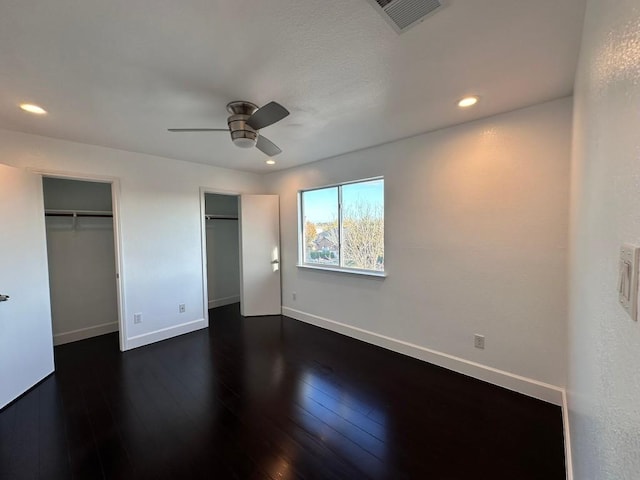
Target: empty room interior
column 374, row 239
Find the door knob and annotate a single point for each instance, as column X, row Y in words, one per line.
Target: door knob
column 4, row 298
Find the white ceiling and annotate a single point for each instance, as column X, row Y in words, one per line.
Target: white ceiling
column 119, row 73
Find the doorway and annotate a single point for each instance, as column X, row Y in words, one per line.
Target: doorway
column 255, row 236
column 222, row 249
column 81, row 250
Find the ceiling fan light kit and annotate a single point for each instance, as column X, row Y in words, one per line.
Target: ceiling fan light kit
column 244, row 123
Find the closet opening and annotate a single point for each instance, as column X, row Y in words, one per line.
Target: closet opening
column 81, row 249
column 222, row 249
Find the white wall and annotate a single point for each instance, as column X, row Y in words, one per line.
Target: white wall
column 223, row 262
column 82, row 277
column 476, row 235
column 159, row 222
column 604, row 343
column 223, row 251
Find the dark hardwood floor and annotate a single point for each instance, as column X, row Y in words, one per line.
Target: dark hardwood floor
column 270, row 398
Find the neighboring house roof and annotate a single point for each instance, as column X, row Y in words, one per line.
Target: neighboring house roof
column 323, row 239
column 324, row 242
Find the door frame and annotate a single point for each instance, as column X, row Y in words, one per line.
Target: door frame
column 203, row 242
column 117, row 238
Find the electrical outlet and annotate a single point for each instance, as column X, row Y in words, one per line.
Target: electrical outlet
column 182, row 308
column 137, row 318
column 478, row 341
column 294, row 295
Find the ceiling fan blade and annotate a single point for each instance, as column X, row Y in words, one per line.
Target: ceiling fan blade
column 198, row 129
column 267, row 147
column 268, row 115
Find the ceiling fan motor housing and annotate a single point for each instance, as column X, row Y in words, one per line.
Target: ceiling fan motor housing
column 242, row 134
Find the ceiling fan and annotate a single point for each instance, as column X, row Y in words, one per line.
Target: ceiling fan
column 244, row 123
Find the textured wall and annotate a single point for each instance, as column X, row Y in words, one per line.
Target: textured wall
column 604, row 353
column 475, row 241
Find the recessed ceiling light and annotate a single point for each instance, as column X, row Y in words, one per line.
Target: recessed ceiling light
column 271, row 161
column 468, row 101
column 28, row 107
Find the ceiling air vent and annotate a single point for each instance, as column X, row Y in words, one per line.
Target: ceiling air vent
column 404, row 14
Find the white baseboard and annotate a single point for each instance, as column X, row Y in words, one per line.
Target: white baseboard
column 219, row 302
column 568, row 462
column 517, row 383
column 165, row 333
column 82, row 333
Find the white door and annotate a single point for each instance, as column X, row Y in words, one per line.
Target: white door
column 26, row 341
column 260, row 255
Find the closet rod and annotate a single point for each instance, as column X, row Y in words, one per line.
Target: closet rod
column 77, row 213
column 220, row 217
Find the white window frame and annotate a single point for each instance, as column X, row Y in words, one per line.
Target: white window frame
column 301, row 226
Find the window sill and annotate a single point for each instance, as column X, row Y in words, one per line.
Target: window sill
column 366, row 273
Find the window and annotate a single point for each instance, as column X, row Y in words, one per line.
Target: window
column 342, row 226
